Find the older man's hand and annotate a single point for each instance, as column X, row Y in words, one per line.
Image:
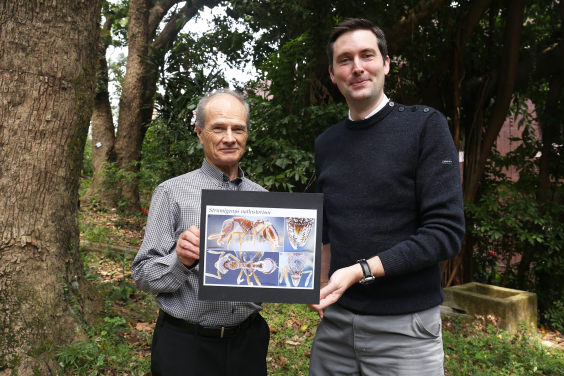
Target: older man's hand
column 188, row 246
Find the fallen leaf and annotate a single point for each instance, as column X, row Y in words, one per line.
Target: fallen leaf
column 303, row 328
column 293, row 343
column 308, row 354
column 272, row 329
column 283, row 361
column 144, row 327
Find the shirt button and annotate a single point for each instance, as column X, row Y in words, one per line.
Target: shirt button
column 392, row 104
column 401, row 109
column 426, row 109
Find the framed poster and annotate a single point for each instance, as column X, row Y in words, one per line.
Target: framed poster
column 260, row 246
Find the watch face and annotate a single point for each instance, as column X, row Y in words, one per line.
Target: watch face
column 367, row 280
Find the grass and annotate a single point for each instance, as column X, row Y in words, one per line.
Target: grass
column 120, row 343
column 474, row 348
column 117, row 348
column 292, row 328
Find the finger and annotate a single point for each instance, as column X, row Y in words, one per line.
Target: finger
column 184, row 254
column 196, row 231
column 327, row 290
column 188, row 246
column 192, row 237
column 320, row 313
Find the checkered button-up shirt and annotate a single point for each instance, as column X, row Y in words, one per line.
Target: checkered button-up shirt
column 175, row 207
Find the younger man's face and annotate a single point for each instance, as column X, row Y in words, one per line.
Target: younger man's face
column 359, row 68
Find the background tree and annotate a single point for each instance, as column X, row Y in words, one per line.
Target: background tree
column 477, row 61
column 139, row 87
column 103, row 129
column 48, row 54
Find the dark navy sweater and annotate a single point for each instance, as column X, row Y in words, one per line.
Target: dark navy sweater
column 391, row 186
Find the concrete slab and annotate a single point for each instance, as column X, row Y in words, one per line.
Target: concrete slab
column 511, row 306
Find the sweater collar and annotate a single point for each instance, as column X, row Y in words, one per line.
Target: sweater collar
column 372, row 120
column 384, row 102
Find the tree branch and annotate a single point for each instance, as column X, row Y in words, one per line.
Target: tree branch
column 471, row 20
column 158, row 11
column 533, row 68
column 178, row 20
column 416, row 16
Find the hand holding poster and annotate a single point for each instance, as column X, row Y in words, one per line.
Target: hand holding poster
column 267, row 248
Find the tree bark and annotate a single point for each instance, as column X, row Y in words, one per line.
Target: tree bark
column 416, row 16
column 103, row 131
column 47, row 77
column 505, row 89
column 129, row 134
column 136, row 102
column 549, row 121
column 479, row 143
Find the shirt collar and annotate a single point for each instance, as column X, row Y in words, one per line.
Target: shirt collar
column 385, row 100
column 220, row 176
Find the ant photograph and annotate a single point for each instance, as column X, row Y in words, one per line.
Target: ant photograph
column 268, row 242
column 255, row 250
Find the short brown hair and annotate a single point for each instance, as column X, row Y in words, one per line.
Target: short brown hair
column 351, row 24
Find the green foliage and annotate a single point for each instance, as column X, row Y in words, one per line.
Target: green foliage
column 508, row 219
column 105, row 349
column 171, row 147
column 115, row 179
column 293, row 327
column 97, row 234
column 125, row 288
column 469, row 351
column 80, row 356
column 87, row 160
column 555, row 315
column 116, row 75
column 284, row 123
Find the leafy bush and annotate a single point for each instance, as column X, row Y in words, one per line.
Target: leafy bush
column 508, row 219
column 286, row 119
column 555, row 315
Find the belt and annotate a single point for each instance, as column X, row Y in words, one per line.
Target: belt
column 209, row 331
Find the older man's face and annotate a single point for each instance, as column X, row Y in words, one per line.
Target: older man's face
column 225, row 133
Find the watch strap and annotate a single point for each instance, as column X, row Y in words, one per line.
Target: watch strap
column 368, row 276
column 365, row 268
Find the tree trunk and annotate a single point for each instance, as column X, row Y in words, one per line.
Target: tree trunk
column 504, row 94
column 47, row 77
column 549, row 121
column 103, row 132
column 129, row 137
column 136, row 102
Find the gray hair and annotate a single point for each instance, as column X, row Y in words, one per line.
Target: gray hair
column 201, row 108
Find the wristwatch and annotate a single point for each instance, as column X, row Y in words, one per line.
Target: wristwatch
column 368, row 277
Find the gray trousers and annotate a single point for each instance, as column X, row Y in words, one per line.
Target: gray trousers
column 349, row 344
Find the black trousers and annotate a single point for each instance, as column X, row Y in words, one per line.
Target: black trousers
column 176, row 352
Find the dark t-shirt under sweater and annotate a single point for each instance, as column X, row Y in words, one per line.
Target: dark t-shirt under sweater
column 391, row 186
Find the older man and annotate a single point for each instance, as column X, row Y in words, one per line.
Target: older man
column 194, row 337
column 393, row 210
